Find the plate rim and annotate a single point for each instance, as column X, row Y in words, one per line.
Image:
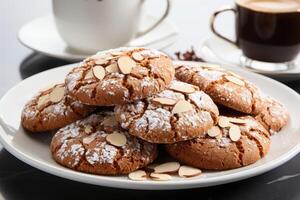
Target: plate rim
column 146, row 185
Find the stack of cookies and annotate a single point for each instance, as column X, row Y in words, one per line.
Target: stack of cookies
column 114, row 110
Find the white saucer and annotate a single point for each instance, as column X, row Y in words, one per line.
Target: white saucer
column 216, row 50
column 34, row 148
column 41, row 35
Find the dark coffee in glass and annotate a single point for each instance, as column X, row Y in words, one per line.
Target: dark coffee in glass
column 266, row 30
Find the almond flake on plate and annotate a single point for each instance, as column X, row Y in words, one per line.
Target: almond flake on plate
column 169, row 167
column 57, row 94
column 214, row 131
column 165, row 101
column 187, row 171
column 99, row 72
column 116, row 139
column 100, row 61
column 126, row 64
column 160, row 177
column 235, row 80
column 182, row 106
column 138, row 175
column 88, row 129
column 235, row 133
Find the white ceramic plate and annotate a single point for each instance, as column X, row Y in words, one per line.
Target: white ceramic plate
column 34, row 149
column 216, row 50
column 41, row 35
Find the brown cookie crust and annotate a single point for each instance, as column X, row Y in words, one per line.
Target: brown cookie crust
column 155, row 122
column 220, row 153
column 47, row 116
column 241, row 95
column 274, row 115
column 83, row 146
column 150, row 74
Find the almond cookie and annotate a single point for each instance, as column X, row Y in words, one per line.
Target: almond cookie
column 98, row 145
column 52, row 109
column 233, row 143
column 181, row 112
column 119, row 76
column 274, row 115
column 224, row 87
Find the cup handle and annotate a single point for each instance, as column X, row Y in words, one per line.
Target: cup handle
column 212, row 23
column 166, row 13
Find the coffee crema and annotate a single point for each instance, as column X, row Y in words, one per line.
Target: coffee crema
column 271, row 6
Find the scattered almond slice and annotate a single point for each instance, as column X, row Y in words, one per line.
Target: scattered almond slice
column 138, row 175
column 110, row 121
column 88, row 139
column 57, row 94
column 183, row 87
column 235, row 133
column 126, row 64
column 182, row 106
column 99, row 72
column 235, row 80
column 88, row 129
column 137, row 56
column 223, row 122
column 169, row 167
column 214, row 131
column 160, row 177
column 43, row 100
column 187, row 171
column 112, row 68
column 89, row 75
column 100, row 61
column 237, row 120
column 116, row 139
column 165, row 101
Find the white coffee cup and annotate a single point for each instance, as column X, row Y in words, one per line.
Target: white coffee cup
column 93, row 25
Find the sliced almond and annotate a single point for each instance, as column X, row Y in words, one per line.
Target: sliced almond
column 183, row 87
column 235, row 133
column 169, row 167
column 88, row 129
column 116, row 139
column 98, row 56
column 110, row 121
column 89, row 75
column 223, row 122
column 117, row 53
column 57, row 94
column 165, row 101
column 138, row 175
column 137, row 56
column 126, row 64
column 235, row 80
column 99, row 72
column 160, row 177
column 43, row 100
column 187, row 171
column 112, row 68
column 100, row 61
column 214, row 131
column 237, row 120
column 182, row 106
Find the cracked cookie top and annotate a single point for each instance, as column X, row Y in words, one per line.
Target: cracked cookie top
column 120, row 76
column 52, row 109
column 234, row 142
column 224, row 87
column 274, row 116
column 98, row 145
column 181, row 112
